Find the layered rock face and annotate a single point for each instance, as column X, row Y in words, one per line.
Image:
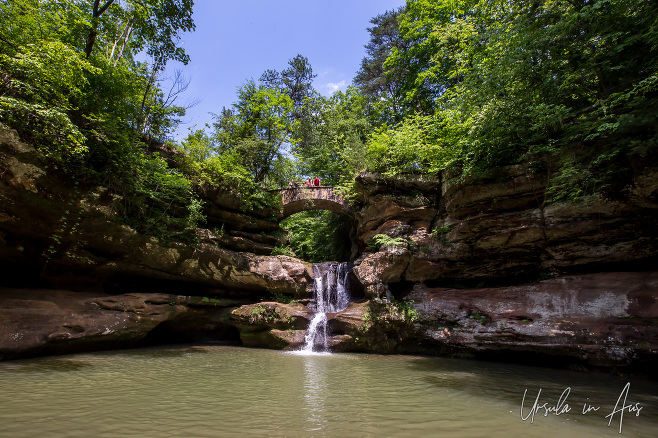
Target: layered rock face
column 49, row 321
column 476, row 268
column 480, row 267
column 606, row 319
column 56, row 236
column 493, row 231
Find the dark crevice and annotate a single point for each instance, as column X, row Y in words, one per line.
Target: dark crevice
column 401, row 289
column 192, row 330
column 357, row 291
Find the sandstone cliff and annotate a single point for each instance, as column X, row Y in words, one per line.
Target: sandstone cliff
column 482, row 268
column 54, row 235
column 476, row 267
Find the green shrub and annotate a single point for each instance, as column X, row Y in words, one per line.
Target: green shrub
column 379, row 240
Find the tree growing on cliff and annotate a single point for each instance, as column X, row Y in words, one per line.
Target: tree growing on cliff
column 80, row 98
column 568, row 85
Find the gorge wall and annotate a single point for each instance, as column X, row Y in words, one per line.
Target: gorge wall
column 474, row 268
column 480, row 268
column 493, row 273
column 55, row 239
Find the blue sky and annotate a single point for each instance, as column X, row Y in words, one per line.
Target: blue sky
column 237, row 40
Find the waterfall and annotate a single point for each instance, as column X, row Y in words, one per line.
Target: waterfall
column 331, row 295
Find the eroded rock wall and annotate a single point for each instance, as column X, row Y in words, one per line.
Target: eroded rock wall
column 476, row 268
column 88, row 282
column 495, row 230
column 482, row 267
column 50, row 321
column 54, row 234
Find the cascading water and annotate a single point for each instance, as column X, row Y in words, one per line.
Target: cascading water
column 331, row 295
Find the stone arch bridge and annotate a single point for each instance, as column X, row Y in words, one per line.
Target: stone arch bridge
column 314, row 198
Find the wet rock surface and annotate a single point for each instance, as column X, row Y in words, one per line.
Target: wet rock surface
column 599, row 320
column 606, row 319
column 562, row 270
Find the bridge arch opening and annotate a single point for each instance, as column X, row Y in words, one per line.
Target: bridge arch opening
column 319, row 235
column 320, row 225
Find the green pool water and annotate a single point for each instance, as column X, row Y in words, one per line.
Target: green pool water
column 218, row 391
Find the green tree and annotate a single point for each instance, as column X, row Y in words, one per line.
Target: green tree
column 569, row 86
column 86, row 113
column 333, row 134
column 296, row 81
column 257, row 129
column 154, row 25
column 382, row 84
column 319, row 236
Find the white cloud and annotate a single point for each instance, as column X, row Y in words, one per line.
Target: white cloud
column 332, row 87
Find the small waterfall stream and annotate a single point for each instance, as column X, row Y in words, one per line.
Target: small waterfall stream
column 331, row 295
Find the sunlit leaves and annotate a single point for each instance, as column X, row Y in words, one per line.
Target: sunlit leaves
column 257, row 129
column 45, row 78
column 318, row 235
column 559, row 82
column 332, row 137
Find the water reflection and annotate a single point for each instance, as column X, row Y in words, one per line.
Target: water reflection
column 315, row 391
column 46, row 365
column 246, row 392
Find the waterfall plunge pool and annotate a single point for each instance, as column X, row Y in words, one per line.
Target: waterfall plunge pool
column 219, row 391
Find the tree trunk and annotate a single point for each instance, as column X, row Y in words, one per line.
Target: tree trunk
column 142, row 122
column 123, row 46
column 91, row 38
column 121, row 36
column 93, row 30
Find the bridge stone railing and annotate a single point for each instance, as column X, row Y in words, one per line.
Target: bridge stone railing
column 313, row 198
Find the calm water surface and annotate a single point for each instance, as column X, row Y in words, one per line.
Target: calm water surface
column 222, row 391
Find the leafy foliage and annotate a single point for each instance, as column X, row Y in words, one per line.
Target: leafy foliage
column 379, row 240
column 256, row 130
column 568, row 87
column 381, row 83
column 318, row 236
column 332, row 136
column 69, row 84
column 205, row 165
column 161, row 201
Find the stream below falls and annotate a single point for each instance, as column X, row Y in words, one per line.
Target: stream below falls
column 220, row 391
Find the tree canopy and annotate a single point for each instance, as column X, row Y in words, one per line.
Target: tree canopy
column 70, row 84
column 568, row 87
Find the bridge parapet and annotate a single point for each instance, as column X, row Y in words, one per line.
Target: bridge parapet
column 313, row 198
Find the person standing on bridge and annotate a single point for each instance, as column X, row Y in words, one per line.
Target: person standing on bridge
column 317, row 182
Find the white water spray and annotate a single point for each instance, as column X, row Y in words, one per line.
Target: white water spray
column 331, row 294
